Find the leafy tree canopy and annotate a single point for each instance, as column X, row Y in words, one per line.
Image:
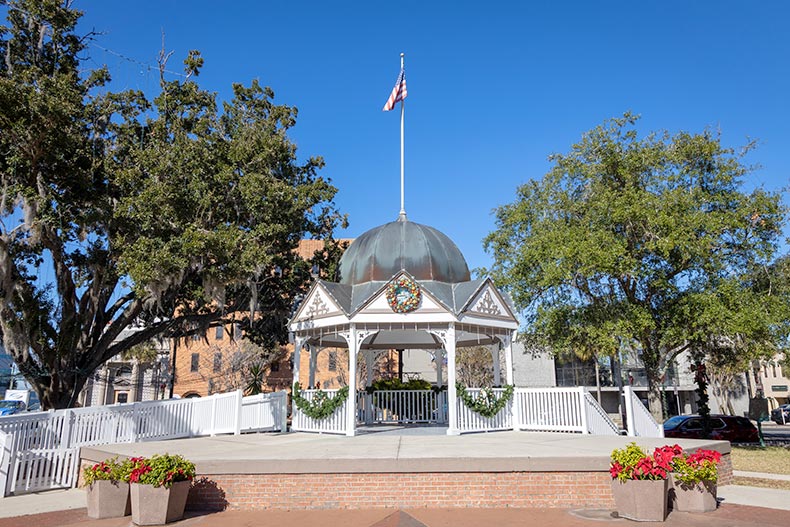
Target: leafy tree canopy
column 641, row 242
column 173, row 211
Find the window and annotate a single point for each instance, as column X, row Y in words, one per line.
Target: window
column 220, row 333
column 332, row 361
column 237, row 331
column 195, row 362
column 123, row 373
column 218, row 362
column 275, row 366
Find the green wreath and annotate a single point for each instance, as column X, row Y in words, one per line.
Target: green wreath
column 322, row 406
column 403, row 295
column 486, row 402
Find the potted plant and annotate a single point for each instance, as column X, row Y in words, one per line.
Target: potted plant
column 159, row 488
column 694, row 478
column 639, row 483
column 107, row 486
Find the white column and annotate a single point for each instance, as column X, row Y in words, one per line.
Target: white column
column 438, row 356
column 497, row 370
column 313, row 363
column 351, row 412
column 452, row 410
column 508, row 342
column 369, row 360
column 298, row 344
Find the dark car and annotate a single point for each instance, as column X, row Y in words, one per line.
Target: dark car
column 725, row 427
column 781, row 415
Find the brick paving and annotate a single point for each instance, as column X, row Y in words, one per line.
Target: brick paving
column 727, row 515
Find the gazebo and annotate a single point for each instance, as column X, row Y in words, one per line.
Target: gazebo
column 403, row 285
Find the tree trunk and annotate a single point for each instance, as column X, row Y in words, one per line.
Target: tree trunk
column 653, row 372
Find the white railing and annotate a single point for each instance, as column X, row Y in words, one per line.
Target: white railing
column 639, row 420
column 471, row 421
column 402, row 406
column 333, row 424
column 598, row 421
column 40, row 450
column 550, row 409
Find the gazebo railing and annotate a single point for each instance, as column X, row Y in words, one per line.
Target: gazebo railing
column 550, row 410
column 402, row 406
column 334, row 424
column 470, row 421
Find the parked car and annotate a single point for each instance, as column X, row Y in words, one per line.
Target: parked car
column 11, row 407
column 724, row 427
column 778, row 417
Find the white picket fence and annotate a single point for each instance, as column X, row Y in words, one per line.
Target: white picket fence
column 471, row 421
column 40, row 451
column 334, row 424
column 639, row 420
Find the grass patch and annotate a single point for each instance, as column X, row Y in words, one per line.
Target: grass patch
column 763, row 483
column 772, row 459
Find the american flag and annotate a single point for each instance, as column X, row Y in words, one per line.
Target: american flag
column 398, row 92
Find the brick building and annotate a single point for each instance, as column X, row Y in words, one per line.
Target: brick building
column 216, row 362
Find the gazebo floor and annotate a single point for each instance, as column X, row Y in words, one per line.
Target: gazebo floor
column 400, row 467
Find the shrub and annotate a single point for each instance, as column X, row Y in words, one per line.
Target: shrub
column 702, row 465
column 107, row 470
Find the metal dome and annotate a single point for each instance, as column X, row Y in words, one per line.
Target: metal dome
column 422, row 251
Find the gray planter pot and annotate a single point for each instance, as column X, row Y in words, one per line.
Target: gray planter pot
column 693, row 497
column 108, row 499
column 159, row 505
column 641, row 500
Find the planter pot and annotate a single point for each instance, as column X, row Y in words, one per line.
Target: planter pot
column 158, row 505
column 693, row 497
column 108, row 499
column 641, row 500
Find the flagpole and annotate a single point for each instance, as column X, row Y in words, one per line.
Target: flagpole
column 402, row 112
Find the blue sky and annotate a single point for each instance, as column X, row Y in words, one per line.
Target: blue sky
column 494, row 88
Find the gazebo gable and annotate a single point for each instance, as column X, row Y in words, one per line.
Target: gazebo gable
column 318, row 304
column 488, row 302
column 379, row 304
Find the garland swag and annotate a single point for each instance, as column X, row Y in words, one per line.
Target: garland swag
column 322, row 406
column 486, row 403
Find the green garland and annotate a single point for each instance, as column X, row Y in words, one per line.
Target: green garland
column 322, row 406
column 486, row 403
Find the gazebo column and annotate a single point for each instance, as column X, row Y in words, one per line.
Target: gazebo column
column 354, row 338
column 299, row 343
column 369, row 360
column 508, row 343
column 452, row 409
column 497, row 369
column 313, row 362
column 438, row 356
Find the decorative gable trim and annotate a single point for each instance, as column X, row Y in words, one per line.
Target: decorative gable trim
column 488, row 303
column 318, row 304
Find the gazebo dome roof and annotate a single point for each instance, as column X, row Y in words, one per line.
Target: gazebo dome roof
column 422, row 251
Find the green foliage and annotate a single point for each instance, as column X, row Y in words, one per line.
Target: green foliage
column 256, row 377
column 109, row 470
column 644, row 243
column 627, row 459
column 486, row 403
column 691, row 473
column 140, row 208
column 161, row 470
column 322, row 405
column 397, row 384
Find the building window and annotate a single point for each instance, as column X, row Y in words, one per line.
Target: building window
column 237, row 331
column 220, row 333
column 195, row 362
column 275, row 366
column 217, row 362
column 332, row 361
